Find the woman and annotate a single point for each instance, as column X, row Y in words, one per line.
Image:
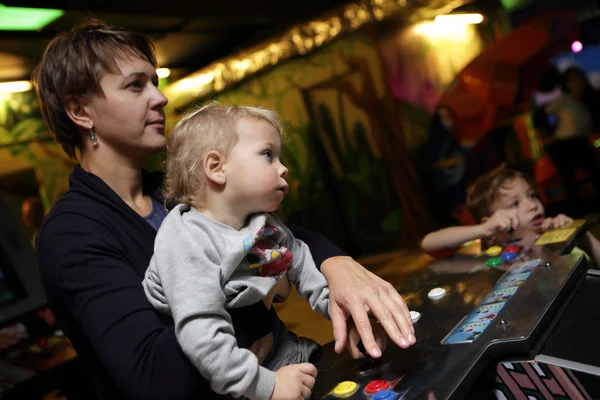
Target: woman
column 98, row 92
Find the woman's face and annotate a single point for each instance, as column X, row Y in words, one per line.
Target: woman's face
column 129, row 117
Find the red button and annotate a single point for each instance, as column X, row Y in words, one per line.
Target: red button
column 377, row 385
column 511, row 249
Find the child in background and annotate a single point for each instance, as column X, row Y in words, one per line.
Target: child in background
column 501, row 200
column 223, row 248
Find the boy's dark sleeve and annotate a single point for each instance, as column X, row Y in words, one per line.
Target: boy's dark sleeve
column 320, row 247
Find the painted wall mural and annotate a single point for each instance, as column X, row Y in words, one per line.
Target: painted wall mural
column 357, row 112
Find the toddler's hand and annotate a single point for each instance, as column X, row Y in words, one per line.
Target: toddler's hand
column 294, row 382
column 559, row 221
column 501, row 221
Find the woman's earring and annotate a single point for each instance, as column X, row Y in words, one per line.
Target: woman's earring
column 93, row 137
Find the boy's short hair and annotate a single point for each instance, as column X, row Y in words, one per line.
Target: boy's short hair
column 485, row 189
column 211, row 127
column 72, row 66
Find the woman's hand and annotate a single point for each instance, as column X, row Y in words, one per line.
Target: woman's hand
column 355, row 291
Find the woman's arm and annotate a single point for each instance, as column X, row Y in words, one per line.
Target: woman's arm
column 320, row 247
column 103, row 293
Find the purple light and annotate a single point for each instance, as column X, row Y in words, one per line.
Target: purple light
column 576, row 46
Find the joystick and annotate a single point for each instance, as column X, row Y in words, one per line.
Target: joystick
column 513, row 239
column 368, row 365
column 363, row 351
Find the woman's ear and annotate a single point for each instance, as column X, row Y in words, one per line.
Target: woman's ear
column 76, row 111
column 213, row 167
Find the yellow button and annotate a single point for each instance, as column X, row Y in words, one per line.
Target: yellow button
column 494, row 251
column 345, row 388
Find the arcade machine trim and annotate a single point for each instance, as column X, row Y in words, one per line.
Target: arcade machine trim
column 572, row 365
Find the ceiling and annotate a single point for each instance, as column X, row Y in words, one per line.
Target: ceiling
column 188, row 35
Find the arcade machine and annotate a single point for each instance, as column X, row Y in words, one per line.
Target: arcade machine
column 512, row 319
column 34, row 355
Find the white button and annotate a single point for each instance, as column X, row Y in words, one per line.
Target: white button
column 437, row 293
column 415, row 315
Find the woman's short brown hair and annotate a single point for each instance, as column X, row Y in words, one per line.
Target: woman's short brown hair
column 486, row 188
column 73, row 64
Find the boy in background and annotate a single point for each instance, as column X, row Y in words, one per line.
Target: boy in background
column 501, row 200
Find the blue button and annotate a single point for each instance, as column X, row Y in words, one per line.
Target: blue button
column 508, row 256
column 385, row 395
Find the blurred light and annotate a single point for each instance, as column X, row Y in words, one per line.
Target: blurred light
column 446, row 33
column 163, row 72
column 576, row 46
column 597, row 143
column 26, row 19
column 464, row 19
column 16, row 86
column 194, row 83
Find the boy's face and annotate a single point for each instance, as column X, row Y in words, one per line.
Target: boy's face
column 256, row 178
column 517, row 193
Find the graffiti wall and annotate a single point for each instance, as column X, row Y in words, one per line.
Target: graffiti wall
column 357, row 113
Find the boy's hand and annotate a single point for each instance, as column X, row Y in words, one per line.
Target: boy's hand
column 354, row 338
column 501, row 221
column 294, row 382
column 559, row 221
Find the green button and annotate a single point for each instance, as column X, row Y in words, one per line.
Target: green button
column 493, row 262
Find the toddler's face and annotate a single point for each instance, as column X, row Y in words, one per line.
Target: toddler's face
column 256, row 178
